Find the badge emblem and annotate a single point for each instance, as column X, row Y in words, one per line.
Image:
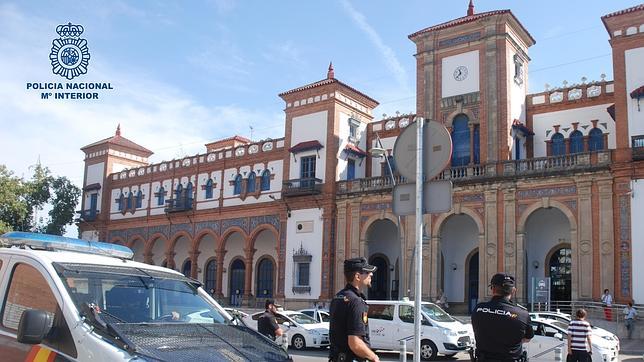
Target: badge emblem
column 365, row 319
column 69, row 54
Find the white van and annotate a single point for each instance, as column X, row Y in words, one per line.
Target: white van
column 66, row 299
column 391, row 321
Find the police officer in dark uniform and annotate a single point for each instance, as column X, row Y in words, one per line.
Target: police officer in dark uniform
column 500, row 325
column 267, row 323
column 349, row 324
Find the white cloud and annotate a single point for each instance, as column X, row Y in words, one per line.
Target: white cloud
column 388, row 55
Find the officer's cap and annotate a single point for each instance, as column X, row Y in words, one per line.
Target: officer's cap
column 502, row 280
column 358, row 265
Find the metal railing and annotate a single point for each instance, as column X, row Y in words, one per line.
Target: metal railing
column 183, row 203
column 368, row 184
column 302, row 186
column 88, row 215
column 637, row 144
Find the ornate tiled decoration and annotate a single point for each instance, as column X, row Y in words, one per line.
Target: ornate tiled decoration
column 594, row 91
column 625, row 249
column 161, row 229
column 574, row 94
column 181, row 227
column 212, row 225
column 364, row 219
column 240, row 222
column 469, row 198
column 556, row 97
column 547, row 192
column 113, row 234
column 521, row 209
column 140, row 231
column 459, row 39
column 572, row 204
column 379, row 206
column 274, row 220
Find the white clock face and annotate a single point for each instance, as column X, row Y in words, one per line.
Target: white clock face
column 460, row 73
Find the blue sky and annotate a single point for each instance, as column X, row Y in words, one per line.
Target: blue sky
column 187, row 73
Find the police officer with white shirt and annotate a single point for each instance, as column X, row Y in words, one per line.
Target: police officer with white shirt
column 500, row 325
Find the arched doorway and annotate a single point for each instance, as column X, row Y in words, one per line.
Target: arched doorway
column 459, row 235
column 473, row 281
column 237, row 277
column 264, row 286
column 186, row 269
column 210, row 281
column 379, row 281
column 559, row 268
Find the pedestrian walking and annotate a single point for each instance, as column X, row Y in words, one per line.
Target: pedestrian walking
column 349, row 324
column 630, row 315
column 607, row 303
column 579, row 338
column 501, row 326
column 441, row 300
column 267, row 323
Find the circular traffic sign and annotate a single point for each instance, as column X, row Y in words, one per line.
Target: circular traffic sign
column 437, row 150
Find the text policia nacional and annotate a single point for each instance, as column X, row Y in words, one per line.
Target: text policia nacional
column 60, row 90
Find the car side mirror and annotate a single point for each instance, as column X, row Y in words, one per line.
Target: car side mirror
column 559, row 336
column 34, row 326
column 288, row 324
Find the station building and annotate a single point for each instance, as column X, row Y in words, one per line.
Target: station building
column 545, row 185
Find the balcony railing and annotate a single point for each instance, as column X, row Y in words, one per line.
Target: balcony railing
column 637, row 143
column 302, row 187
column 88, row 215
column 178, row 205
column 541, row 166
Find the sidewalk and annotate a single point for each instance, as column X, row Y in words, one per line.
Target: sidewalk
column 631, row 346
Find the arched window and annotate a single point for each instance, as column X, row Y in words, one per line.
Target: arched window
column 251, row 182
column 186, row 269
column 595, row 139
column 264, row 279
column 558, row 145
column 266, row 180
column 189, row 194
column 178, row 191
column 576, row 142
column 161, row 196
column 139, row 199
column 210, row 278
column 460, row 141
column 209, row 189
column 477, row 144
column 120, row 202
column 128, row 204
column 237, row 186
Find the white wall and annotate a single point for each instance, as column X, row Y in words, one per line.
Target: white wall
column 517, row 93
column 634, row 59
column 376, row 162
column 265, row 245
column 94, row 174
column 361, row 135
column 167, row 187
column 544, row 121
column 637, row 239
column 311, row 242
column 307, row 128
column 276, row 169
column 453, row 87
column 234, row 249
column 200, row 197
column 459, row 237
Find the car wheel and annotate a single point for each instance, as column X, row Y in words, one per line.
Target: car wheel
column 428, row 350
column 298, row 342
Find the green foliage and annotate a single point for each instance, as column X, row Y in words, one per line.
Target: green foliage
column 19, row 199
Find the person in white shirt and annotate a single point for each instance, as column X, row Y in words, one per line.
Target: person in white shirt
column 607, row 301
column 630, row 314
column 579, row 339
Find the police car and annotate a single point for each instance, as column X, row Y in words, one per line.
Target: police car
column 303, row 331
column 72, row 300
column 392, row 321
column 563, row 317
column 320, row 315
column 550, row 342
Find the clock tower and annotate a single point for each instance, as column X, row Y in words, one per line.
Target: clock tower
column 472, row 76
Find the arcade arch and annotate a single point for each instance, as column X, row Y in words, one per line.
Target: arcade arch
column 459, row 240
column 383, row 250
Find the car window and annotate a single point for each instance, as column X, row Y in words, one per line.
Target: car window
column 325, row 317
column 302, row 318
column 380, row 311
column 435, row 313
column 28, row 289
column 406, row 313
column 308, row 313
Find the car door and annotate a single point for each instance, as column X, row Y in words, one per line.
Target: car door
column 547, row 339
column 381, row 325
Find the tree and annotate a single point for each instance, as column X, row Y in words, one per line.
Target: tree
column 19, row 199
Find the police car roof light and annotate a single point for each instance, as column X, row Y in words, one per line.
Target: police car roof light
column 61, row 243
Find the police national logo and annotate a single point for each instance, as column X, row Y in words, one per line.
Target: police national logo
column 69, row 54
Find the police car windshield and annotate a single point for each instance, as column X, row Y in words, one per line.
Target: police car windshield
column 301, row 318
column 133, row 295
column 435, row 313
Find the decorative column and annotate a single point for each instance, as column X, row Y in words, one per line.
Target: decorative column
column 169, row 257
column 513, row 256
column 194, row 266
column 606, row 234
column 582, row 249
column 488, row 251
column 340, row 242
column 434, row 264
column 281, row 256
column 248, row 274
column 219, row 282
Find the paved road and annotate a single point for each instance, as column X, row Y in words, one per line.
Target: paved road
column 311, row 355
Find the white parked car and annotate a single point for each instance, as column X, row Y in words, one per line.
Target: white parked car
column 566, row 318
column 391, row 321
column 551, row 335
column 303, row 331
column 320, row 315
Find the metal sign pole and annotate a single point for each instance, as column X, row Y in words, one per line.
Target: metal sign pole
column 420, row 122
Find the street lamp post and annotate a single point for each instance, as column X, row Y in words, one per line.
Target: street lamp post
column 381, row 152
